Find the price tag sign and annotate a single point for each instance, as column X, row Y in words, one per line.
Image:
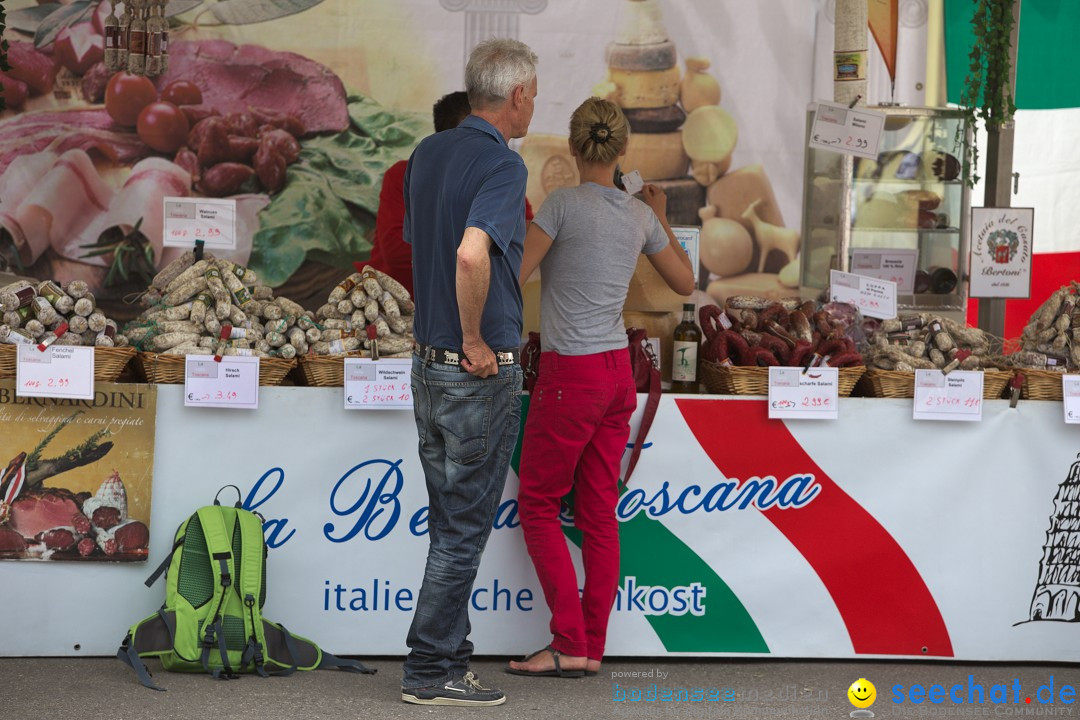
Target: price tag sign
column 632, row 182
column 897, row 266
column 211, row 220
column 798, row 395
column 58, row 371
column 378, row 384
column 957, row 396
column 231, row 383
column 1071, row 387
column 852, row 131
column 875, row 298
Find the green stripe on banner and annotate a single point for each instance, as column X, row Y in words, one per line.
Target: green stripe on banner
column 654, row 556
column 1048, row 54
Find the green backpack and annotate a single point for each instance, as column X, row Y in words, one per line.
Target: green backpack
column 212, row 617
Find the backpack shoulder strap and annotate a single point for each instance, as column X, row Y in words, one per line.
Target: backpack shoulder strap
column 149, row 637
column 219, row 547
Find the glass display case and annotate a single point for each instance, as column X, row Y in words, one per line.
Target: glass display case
column 913, row 197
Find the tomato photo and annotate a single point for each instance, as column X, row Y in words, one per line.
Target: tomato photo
column 182, row 92
column 163, row 126
column 126, row 96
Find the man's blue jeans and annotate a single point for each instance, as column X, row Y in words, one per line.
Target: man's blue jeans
column 468, row 429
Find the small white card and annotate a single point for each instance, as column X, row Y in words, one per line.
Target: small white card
column 896, row 266
column 58, row 371
column 875, row 298
column 211, row 220
column 1001, row 242
column 231, row 383
column 810, row 395
column 632, row 182
column 957, row 396
column 1070, row 385
column 689, row 238
column 378, row 384
column 852, row 131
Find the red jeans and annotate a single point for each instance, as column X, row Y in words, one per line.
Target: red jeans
column 575, row 436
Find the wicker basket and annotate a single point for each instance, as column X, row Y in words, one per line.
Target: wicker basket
column 161, row 369
column 901, row 384
column 325, row 370
column 735, row 380
column 1042, row 385
column 108, row 362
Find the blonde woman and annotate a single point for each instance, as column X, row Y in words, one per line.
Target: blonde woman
column 587, row 240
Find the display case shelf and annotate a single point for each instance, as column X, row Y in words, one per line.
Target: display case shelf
column 854, row 202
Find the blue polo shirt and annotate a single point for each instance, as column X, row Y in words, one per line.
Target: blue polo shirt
column 460, row 178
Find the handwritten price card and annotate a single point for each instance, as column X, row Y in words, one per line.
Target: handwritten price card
column 208, row 219
column 957, row 396
column 378, row 384
column 852, row 131
column 57, row 371
column 798, row 395
column 231, row 383
column 875, row 298
column 896, row 266
column 1071, row 387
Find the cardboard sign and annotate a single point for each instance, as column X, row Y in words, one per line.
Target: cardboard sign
column 1001, row 242
column 852, row 131
column 875, row 298
column 689, row 238
column 378, row 384
column 58, row 371
column 795, row 394
column 232, row 383
column 208, row 219
column 957, row 396
column 897, row 266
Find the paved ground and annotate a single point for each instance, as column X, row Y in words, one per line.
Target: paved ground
column 102, row 689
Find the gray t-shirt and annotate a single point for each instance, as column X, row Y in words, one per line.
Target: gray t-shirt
column 598, row 233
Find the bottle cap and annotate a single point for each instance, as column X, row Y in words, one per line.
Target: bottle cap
column 688, row 306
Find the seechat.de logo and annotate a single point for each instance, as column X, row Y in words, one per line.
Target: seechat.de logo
column 862, row 695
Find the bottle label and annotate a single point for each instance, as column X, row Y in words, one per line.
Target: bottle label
column 155, row 44
column 137, row 42
column 112, row 37
column 684, row 361
column 164, row 42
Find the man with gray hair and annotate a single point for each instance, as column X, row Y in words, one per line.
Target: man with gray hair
column 465, row 218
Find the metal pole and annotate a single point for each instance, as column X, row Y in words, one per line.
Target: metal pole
column 998, row 185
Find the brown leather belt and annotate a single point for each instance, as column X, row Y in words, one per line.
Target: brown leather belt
column 454, row 357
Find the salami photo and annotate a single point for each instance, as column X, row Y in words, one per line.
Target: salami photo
column 78, row 474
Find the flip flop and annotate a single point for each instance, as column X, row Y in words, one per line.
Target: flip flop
column 556, row 672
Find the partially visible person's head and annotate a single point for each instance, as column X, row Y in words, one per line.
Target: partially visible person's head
column 450, row 110
column 598, row 131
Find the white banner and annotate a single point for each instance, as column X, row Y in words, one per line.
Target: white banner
column 740, row 535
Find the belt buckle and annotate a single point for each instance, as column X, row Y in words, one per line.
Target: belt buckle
column 504, row 358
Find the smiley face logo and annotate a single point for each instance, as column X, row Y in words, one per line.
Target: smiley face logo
column 862, row 693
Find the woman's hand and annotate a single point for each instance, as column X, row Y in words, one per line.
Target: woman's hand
column 656, row 199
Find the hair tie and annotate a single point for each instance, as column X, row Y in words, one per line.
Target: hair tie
column 600, row 133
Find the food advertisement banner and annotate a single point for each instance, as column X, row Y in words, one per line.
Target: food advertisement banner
column 872, row 536
column 296, row 108
column 79, row 479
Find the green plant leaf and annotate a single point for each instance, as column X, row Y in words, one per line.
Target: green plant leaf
column 179, row 7
column 246, row 12
column 65, row 16
column 28, row 19
column 327, row 209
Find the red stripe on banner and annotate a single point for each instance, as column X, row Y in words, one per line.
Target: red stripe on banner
column 884, row 602
column 16, row 484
